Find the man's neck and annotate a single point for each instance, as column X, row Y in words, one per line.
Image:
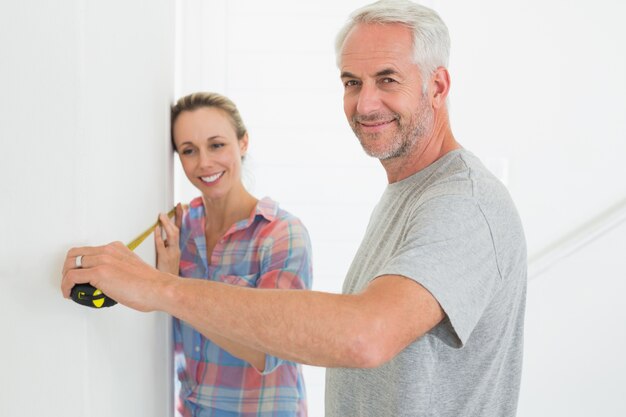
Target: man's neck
column 425, row 152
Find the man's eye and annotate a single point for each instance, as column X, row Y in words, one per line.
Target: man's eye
column 388, row 80
column 351, row 83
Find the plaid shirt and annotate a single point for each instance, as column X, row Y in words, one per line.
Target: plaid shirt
column 270, row 249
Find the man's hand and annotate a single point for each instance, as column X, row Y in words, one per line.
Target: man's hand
column 118, row 272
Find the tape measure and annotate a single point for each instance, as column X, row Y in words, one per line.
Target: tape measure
column 90, row 296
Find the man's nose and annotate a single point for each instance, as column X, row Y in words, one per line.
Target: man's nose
column 368, row 100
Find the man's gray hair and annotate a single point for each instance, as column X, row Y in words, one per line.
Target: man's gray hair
column 431, row 41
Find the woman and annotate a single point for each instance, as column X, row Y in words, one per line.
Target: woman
column 228, row 235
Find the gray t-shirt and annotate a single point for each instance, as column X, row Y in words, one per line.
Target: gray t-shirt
column 453, row 228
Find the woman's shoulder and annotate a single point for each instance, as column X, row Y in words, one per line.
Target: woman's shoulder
column 272, row 211
column 278, row 218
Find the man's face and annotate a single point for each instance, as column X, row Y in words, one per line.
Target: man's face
column 383, row 98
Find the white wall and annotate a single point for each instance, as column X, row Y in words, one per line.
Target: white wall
column 576, row 335
column 84, row 159
column 537, row 92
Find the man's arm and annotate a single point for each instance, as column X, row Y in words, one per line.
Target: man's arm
column 363, row 330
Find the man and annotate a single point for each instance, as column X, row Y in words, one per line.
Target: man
column 430, row 322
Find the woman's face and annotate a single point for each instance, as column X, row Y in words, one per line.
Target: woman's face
column 209, row 150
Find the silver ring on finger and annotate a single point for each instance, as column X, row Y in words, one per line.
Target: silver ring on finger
column 78, row 261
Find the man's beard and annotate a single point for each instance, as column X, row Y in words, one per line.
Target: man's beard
column 406, row 137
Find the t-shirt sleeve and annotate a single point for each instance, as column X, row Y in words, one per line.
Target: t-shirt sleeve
column 447, row 248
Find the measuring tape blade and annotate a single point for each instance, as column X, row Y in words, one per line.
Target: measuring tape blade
column 137, row 241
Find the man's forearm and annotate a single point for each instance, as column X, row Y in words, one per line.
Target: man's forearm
column 308, row 327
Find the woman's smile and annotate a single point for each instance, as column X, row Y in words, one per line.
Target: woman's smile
column 212, row 178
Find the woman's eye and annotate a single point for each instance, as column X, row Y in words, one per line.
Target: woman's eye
column 216, row 145
column 187, row 151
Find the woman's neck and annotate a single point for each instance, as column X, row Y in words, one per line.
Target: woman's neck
column 223, row 212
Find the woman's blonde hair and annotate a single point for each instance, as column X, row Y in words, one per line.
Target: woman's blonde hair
column 211, row 100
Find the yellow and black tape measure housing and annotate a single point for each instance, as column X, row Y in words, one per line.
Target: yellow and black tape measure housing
column 88, row 295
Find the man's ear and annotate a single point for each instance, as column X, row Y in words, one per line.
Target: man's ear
column 440, row 84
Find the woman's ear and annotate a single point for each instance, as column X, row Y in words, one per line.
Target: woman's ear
column 243, row 144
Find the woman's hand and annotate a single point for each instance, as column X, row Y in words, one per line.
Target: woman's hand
column 168, row 250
